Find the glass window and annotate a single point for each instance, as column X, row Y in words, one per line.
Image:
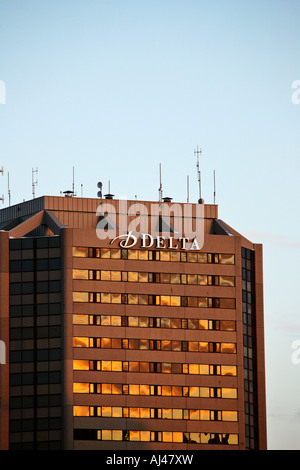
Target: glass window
column 229, row 416
column 227, row 303
column 204, row 369
column 106, row 434
column 80, row 364
column 193, row 346
column 80, row 296
column 116, row 298
column 228, row 348
column 117, row 389
column 80, row 387
column 175, row 323
column 192, row 257
column 175, row 301
column 115, row 253
column 229, row 393
column 167, row 436
column 106, row 343
column 80, row 252
column 134, row 413
column 133, row 254
column 143, row 277
column 204, row 415
column 144, row 412
column 226, row 258
column 105, row 320
column 143, row 255
column 165, row 300
column 80, row 342
column 105, row 298
column 202, row 302
column 144, row 322
column 165, row 256
column 203, row 324
column 228, row 370
column 106, row 389
column 115, row 320
column 134, row 389
column 133, row 299
column 133, row 276
column 202, row 257
column 105, row 253
column 106, row 366
column 193, row 369
column 175, row 278
column 226, row 281
column 227, row 325
column 166, row 345
column 192, row 279
column 194, row 414
column 202, row 280
column 175, row 256
column 143, row 299
column 165, row 278
column 105, row 275
column 117, row 412
column 81, row 411
column 193, row 323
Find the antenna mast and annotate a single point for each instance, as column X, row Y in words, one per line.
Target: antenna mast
column 214, row 186
column 34, row 182
column 188, row 188
column 2, row 171
column 197, row 153
column 160, row 190
column 8, row 189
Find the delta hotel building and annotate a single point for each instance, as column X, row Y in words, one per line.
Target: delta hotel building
column 122, row 342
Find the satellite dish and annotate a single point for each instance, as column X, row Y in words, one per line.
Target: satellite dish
column 99, row 193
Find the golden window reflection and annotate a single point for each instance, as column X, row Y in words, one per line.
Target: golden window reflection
column 81, row 364
column 80, row 274
column 80, row 319
column 81, row 411
column 80, row 252
column 80, row 342
column 80, row 296
column 80, row 387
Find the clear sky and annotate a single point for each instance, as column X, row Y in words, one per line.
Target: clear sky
column 116, row 87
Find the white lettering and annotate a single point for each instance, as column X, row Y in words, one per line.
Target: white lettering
column 143, row 237
column 160, row 242
column 296, row 94
column 296, row 354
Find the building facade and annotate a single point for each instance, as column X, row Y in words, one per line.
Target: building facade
column 123, row 342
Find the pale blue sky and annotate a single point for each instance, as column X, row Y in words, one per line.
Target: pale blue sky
column 115, row 87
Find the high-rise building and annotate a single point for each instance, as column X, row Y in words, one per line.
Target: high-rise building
column 121, row 334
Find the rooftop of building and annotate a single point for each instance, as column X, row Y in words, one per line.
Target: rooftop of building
column 47, row 215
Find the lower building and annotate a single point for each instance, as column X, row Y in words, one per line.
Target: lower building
column 146, row 342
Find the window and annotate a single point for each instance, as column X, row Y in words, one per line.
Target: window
column 80, row 252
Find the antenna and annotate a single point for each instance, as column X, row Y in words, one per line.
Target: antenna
column 8, row 189
column 73, row 187
column 160, row 189
column 214, row 186
column 2, row 198
column 34, row 182
column 188, row 188
column 199, row 152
